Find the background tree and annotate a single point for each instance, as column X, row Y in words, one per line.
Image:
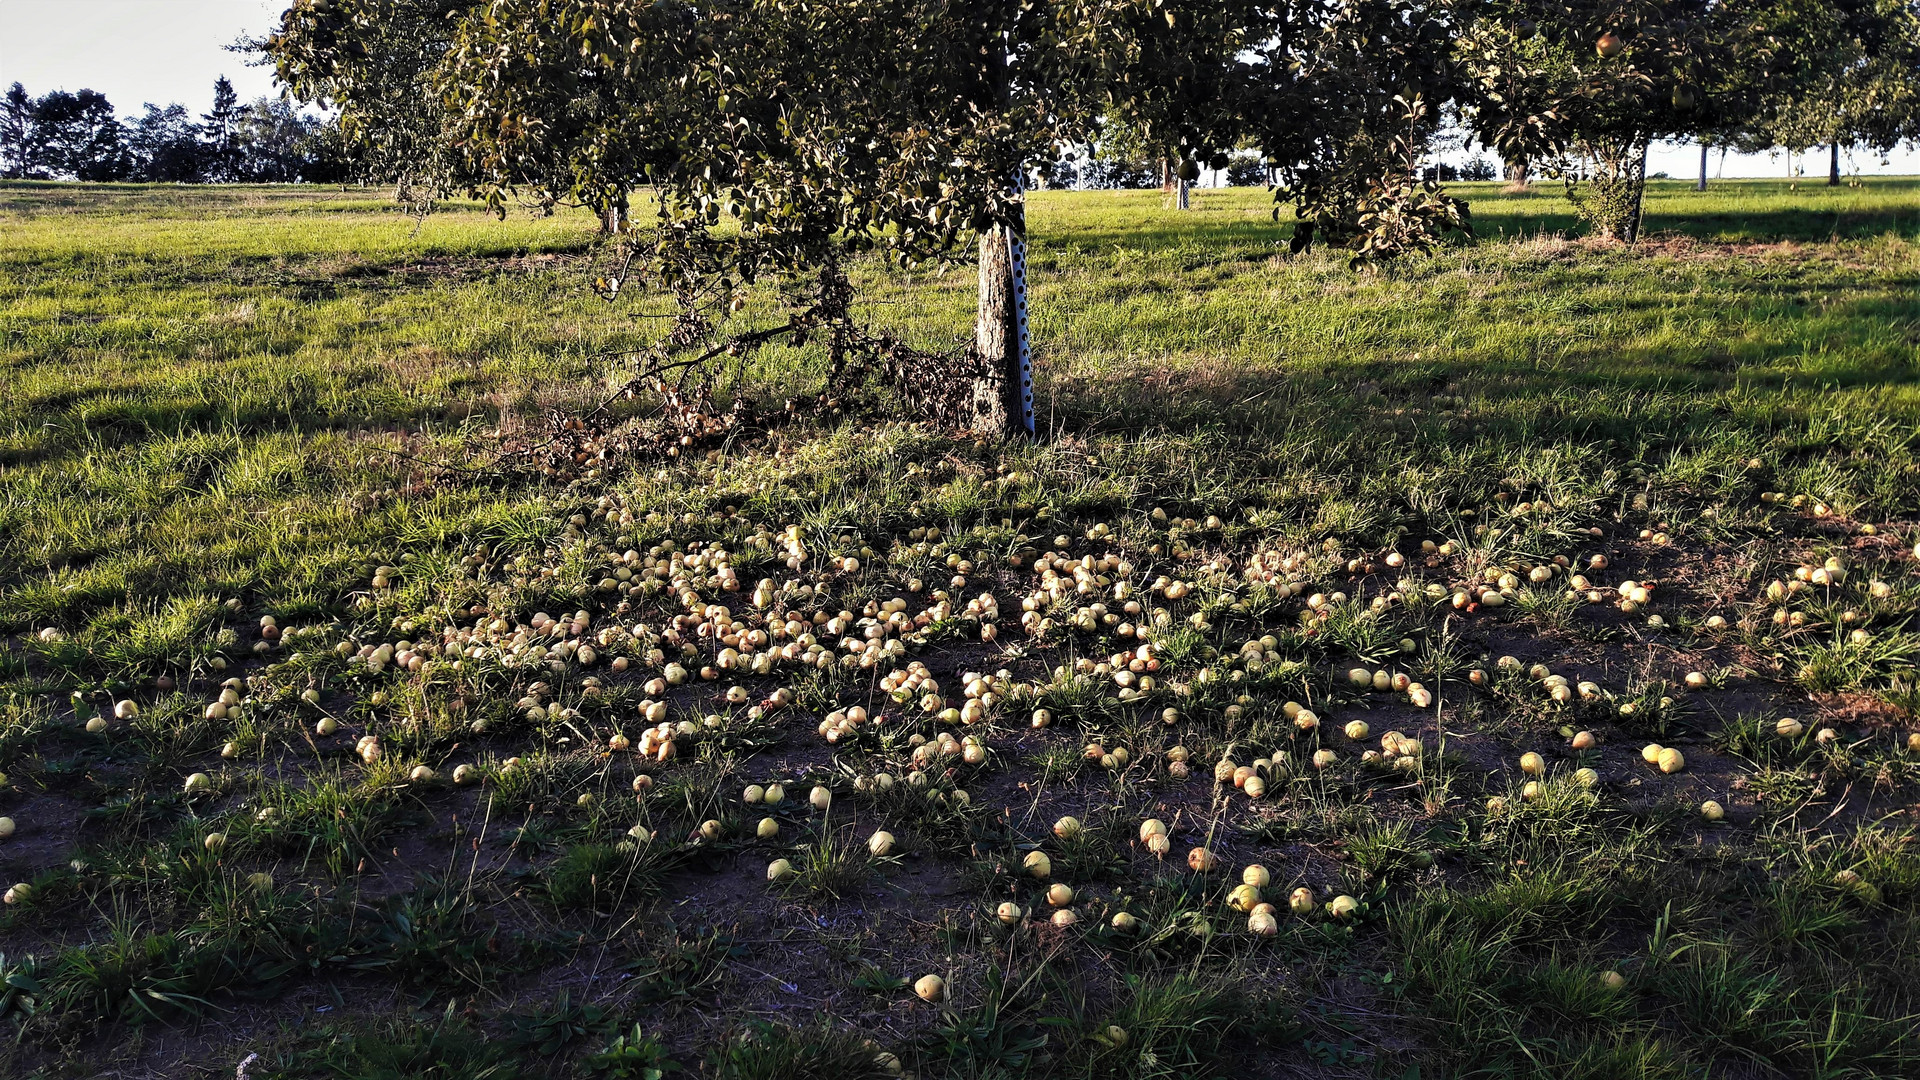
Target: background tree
column 276, row 143
column 1479, row 169
column 74, row 136
column 1115, row 165
column 1120, row 158
column 164, row 146
column 220, row 135
column 1583, row 87
column 1834, row 73
column 1248, row 170
column 17, row 150
column 329, row 158
column 1186, row 88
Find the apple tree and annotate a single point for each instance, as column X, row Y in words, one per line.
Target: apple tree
column 779, row 139
column 1583, row 87
column 1833, row 73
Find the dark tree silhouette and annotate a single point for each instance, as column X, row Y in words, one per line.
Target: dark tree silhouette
column 220, row 132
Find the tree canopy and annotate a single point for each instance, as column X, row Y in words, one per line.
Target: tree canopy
column 1837, row 73
column 1585, row 86
column 376, row 62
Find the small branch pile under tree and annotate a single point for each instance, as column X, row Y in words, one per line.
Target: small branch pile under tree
column 685, row 374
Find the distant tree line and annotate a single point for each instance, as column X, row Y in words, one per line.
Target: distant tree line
column 77, row 136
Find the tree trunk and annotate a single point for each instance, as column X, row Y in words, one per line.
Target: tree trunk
column 1639, row 194
column 1833, row 165
column 1181, row 198
column 1517, row 174
column 998, row 387
column 614, row 217
column 1702, row 185
column 1000, row 393
column 1166, row 176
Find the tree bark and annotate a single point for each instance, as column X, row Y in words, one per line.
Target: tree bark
column 997, row 389
column 1833, row 165
column 996, row 340
column 1702, row 185
column 1182, row 195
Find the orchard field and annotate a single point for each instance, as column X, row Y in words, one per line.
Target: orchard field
column 1532, row 626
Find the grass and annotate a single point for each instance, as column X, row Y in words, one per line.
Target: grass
column 230, row 404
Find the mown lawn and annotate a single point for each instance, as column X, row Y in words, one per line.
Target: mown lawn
column 323, row 740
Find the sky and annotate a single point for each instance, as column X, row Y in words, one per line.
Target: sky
column 136, row 51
